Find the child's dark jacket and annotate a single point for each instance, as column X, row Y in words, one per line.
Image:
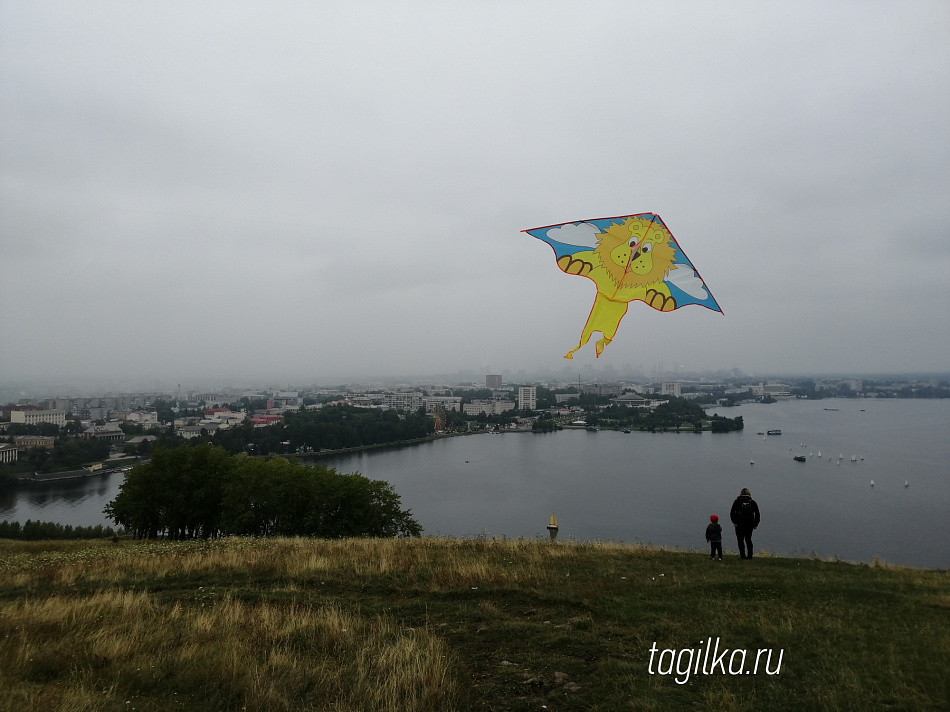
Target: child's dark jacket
column 714, row 532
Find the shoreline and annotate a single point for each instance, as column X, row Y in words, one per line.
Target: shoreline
column 378, row 446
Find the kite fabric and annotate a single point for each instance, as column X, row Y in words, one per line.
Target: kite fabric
column 629, row 258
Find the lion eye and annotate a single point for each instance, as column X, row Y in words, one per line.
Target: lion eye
column 646, row 247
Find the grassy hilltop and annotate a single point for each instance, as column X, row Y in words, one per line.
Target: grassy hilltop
column 441, row 624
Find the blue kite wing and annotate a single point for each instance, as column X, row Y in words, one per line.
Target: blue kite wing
column 582, row 232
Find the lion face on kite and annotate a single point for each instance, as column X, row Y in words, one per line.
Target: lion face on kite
column 635, row 253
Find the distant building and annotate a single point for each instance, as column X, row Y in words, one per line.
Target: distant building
column 8, row 410
column 27, row 442
column 855, row 385
column 446, row 403
column 527, row 398
column 35, row 417
column 773, row 389
column 408, row 401
column 211, row 400
column 97, row 412
column 8, row 453
column 229, row 417
column 488, row 407
column 145, row 418
column 109, row 431
column 364, row 400
column 601, row 389
column 671, row 388
column 632, row 400
column 492, row 381
column 283, row 399
column 263, row 421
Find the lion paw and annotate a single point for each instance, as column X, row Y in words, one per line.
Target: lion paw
column 572, row 266
column 660, row 301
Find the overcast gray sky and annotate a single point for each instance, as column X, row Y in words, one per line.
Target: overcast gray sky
column 323, row 191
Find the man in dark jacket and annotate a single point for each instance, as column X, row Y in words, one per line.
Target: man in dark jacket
column 745, row 518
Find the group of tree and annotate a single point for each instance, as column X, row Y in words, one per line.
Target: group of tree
column 545, row 423
column 202, row 491
column 36, row 531
column 343, row 426
column 719, row 424
column 675, row 413
column 329, row 428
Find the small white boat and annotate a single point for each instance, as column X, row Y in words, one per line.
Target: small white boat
column 906, row 484
column 872, row 483
column 854, row 458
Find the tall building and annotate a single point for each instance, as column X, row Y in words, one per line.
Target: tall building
column 672, row 388
column 492, row 381
column 527, row 398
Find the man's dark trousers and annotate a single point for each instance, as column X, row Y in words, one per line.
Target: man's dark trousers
column 744, row 536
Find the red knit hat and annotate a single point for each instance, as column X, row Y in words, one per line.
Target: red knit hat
column 714, row 518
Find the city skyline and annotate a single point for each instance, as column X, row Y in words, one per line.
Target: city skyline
column 11, row 393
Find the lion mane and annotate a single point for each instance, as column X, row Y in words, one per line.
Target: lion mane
column 633, row 230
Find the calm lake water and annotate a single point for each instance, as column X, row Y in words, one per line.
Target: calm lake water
column 661, row 488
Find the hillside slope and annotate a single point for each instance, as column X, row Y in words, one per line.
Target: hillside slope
column 447, row 624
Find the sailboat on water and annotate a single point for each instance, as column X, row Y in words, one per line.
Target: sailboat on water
column 552, row 526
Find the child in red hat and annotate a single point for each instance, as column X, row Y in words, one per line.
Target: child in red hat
column 714, row 537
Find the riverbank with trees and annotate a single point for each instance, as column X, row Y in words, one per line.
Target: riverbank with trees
column 674, row 414
column 202, row 492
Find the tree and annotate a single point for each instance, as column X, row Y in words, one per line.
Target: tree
column 202, row 491
column 177, row 494
column 38, row 457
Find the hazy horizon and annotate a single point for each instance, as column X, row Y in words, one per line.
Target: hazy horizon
column 10, row 392
column 214, row 193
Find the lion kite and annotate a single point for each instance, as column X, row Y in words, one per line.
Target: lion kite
column 632, row 257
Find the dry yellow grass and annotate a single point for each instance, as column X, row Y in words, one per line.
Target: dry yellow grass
column 115, row 647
